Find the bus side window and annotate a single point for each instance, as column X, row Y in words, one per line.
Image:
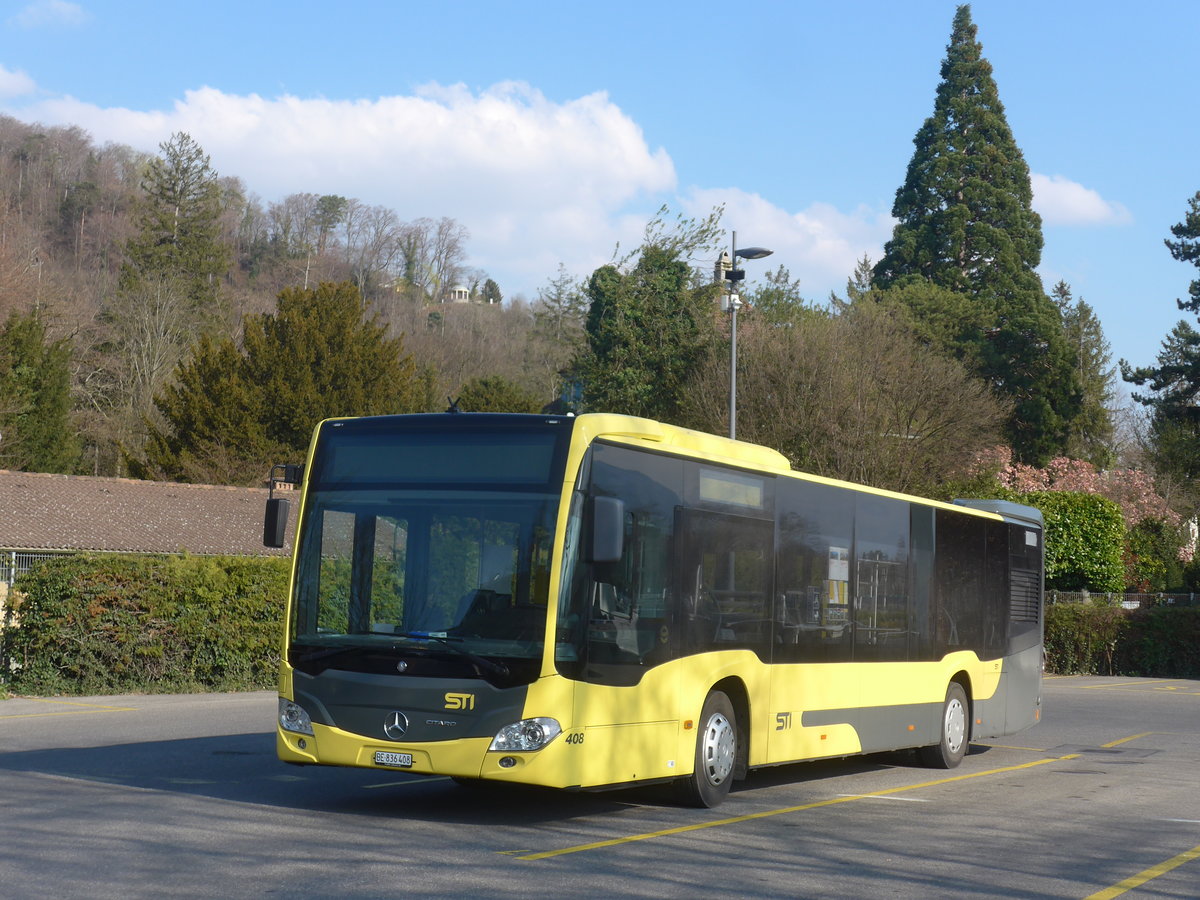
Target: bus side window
column 812, row 614
column 883, row 621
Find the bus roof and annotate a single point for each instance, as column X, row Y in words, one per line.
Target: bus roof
column 639, row 431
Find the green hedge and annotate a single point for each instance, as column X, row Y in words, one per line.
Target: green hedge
column 1163, row 641
column 1082, row 638
column 162, row 624
column 1101, row 638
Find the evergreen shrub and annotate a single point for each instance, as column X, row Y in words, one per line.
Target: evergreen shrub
column 1085, row 540
column 1162, row 641
column 97, row 624
column 1082, row 638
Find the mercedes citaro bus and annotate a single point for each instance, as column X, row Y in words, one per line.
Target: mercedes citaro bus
column 599, row 601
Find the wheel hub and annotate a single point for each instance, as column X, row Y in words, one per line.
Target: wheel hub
column 718, row 748
column 956, row 725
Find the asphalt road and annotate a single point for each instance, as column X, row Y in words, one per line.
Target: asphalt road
column 150, row 796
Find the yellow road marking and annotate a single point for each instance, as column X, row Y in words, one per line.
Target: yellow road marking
column 1172, row 685
column 84, row 709
column 735, row 820
column 1107, row 686
column 1125, row 740
column 1145, row 875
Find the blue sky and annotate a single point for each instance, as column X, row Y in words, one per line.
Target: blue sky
column 555, row 130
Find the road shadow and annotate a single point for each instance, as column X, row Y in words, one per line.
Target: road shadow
column 243, row 767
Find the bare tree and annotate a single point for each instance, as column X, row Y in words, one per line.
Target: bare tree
column 854, row 397
column 457, row 343
column 372, row 237
column 155, row 325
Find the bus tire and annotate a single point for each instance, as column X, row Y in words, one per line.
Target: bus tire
column 955, row 726
column 716, row 754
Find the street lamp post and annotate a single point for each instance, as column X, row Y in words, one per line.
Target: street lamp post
column 733, row 275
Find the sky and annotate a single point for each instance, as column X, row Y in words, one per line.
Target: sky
column 554, row 131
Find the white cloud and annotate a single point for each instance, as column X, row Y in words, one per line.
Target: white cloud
column 820, row 245
column 44, row 13
column 535, row 181
column 15, row 84
column 1061, row 201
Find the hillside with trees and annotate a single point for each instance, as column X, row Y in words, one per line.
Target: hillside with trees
column 123, row 274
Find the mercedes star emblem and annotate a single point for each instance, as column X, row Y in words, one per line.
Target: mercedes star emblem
column 395, row 725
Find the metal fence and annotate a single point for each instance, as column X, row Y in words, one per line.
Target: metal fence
column 18, row 562
column 1126, row 601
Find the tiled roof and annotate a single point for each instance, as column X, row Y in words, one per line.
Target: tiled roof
column 75, row 512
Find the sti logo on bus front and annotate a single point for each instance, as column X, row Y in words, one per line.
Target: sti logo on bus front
column 460, row 701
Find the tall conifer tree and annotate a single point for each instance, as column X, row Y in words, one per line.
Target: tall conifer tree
column 178, row 224
column 1091, row 434
column 1174, row 398
column 967, row 224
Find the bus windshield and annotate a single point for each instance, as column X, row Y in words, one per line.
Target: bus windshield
column 427, row 543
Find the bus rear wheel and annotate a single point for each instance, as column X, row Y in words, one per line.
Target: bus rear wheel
column 716, row 754
column 955, row 729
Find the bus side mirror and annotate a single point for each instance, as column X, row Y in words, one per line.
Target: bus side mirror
column 608, row 530
column 275, row 522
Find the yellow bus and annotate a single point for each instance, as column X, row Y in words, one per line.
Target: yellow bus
column 601, row 601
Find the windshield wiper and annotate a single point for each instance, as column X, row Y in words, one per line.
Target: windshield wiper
column 482, row 662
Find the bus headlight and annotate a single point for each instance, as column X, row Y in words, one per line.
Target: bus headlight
column 528, row 734
column 293, row 717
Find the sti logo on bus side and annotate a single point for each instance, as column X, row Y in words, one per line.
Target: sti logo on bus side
column 460, row 701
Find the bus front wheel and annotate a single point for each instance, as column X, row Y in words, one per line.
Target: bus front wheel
column 955, row 730
column 716, row 753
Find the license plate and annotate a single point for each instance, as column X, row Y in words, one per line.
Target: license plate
column 399, row 760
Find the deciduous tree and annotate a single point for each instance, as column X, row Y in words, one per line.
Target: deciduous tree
column 854, row 396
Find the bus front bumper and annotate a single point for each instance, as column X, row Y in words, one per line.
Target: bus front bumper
column 463, row 758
